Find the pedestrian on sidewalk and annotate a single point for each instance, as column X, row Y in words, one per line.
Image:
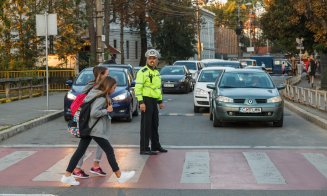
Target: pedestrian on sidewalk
column 100, row 109
column 312, row 70
column 100, row 73
column 149, row 95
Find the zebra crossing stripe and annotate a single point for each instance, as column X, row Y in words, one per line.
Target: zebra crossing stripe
column 55, row 172
column 14, row 158
column 196, row 168
column 131, row 160
column 263, row 168
column 319, row 161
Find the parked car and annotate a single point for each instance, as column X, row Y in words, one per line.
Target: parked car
column 193, row 66
column 223, row 63
column 136, row 69
column 246, row 95
column 248, row 62
column 126, row 66
column 124, row 101
column 208, row 75
column 176, row 79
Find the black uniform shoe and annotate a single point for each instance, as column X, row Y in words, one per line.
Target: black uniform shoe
column 148, row 153
column 160, row 149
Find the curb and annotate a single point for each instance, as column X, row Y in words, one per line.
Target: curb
column 306, row 115
column 7, row 133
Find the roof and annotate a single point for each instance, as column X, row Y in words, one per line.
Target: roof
column 112, row 50
column 245, row 70
column 217, row 68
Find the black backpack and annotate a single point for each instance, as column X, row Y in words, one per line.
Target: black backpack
column 84, row 117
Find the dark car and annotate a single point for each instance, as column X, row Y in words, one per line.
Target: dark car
column 126, row 66
column 124, row 101
column 176, row 78
column 246, row 95
column 278, row 64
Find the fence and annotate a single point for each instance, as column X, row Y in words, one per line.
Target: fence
column 57, row 78
column 19, row 88
column 312, row 97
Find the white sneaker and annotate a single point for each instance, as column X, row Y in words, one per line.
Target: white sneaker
column 125, row 176
column 69, row 180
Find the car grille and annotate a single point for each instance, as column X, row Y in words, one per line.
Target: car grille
column 203, row 102
column 252, row 114
column 239, row 100
column 261, row 100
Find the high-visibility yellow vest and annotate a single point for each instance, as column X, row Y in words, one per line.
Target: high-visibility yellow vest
column 148, row 83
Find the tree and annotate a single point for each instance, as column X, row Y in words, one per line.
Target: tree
column 175, row 29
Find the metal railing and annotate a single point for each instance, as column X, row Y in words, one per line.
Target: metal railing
column 311, row 97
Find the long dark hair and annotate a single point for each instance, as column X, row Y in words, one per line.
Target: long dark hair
column 97, row 72
column 105, row 86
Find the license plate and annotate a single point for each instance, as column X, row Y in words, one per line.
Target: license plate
column 168, row 85
column 250, row 110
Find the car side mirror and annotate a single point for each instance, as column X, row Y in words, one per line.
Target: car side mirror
column 69, row 83
column 211, row 86
column 133, row 84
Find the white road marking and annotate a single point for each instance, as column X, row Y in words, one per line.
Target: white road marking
column 132, row 160
column 55, row 172
column 263, row 168
column 14, row 158
column 319, row 161
column 196, row 168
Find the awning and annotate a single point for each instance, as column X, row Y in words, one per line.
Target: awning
column 111, row 49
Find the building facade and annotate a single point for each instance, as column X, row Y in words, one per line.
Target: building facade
column 226, row 43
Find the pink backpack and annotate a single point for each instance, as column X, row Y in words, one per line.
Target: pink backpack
column 77, row 103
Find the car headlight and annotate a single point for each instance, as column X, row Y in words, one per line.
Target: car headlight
column 120, row 97
column 274, row 100
column 199, row 91
column 71, row 96
column 224, row 99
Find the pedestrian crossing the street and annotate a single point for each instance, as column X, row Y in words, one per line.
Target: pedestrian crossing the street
column 197, row 168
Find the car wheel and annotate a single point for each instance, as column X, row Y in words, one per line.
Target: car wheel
column 191, row 86
column 130, row 116
column 136, row 112
column 216, row 122
column 187, row 89
column 196, row 109
column 279, row 123
column 210, row 115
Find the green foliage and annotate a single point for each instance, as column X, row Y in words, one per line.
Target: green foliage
column 175, row 30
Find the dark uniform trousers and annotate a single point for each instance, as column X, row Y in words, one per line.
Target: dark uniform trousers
column 149, row 125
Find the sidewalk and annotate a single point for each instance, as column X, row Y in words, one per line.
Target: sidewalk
column 311, row 114
column 20, row 115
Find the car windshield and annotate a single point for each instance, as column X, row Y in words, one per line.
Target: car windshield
column 209, row 75
column 84, row 78
column 223, row 64
column 245, row 80
column 119, row 76
column 189, row 65
column 87, row 76
column 172, row 71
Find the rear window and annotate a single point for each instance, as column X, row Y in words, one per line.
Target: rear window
column 189, row 65
column 209, row 75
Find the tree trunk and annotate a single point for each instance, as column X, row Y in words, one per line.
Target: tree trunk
column 323, row 68
column 89, row 11
column 144, row 43
column 107, row 26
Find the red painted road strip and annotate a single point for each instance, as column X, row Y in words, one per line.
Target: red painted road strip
column 228, row 170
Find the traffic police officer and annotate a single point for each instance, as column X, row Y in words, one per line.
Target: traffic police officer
column 149, row 94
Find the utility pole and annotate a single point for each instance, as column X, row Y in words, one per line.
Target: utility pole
column 99, row 26
column 198, row 29
column 238, row 31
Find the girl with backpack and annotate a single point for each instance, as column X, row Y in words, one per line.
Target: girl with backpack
column 99, row 73
column 100, row 120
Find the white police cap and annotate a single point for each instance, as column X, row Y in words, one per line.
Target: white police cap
column 152, row 52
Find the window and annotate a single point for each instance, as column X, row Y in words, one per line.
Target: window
column 136, row 50
column 127, row 49
column 115, row 43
